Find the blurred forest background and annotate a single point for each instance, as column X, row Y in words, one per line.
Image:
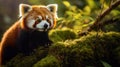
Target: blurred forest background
column 75, row 14
column 76, row 45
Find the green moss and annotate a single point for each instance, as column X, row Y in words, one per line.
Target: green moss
column 49, row 61
column 22, row 61
column 69, row 55
column 62, row 35
column 87, row 50
column 28, row 61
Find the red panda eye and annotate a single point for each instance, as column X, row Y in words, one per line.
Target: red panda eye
column 47, row 20
column 38, row 20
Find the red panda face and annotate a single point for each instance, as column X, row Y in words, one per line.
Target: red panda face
column 41, row 18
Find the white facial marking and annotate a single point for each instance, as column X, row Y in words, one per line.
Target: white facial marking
column 30, row 23
column 40, row 17
column 46, row 16
column 51, row 20
column 41, row 24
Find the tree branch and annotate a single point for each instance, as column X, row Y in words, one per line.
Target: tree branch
column 103, row 14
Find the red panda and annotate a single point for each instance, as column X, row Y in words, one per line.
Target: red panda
column 30, row 31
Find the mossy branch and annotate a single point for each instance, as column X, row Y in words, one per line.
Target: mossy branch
column 103, row 14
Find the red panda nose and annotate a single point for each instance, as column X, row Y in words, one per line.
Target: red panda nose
column 45, row 26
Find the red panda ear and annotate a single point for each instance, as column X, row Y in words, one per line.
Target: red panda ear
column 53, row 8
column 24, row 8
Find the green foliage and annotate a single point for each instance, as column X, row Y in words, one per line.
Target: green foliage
column 62, row 34
column 75, row 18
column 49, row 61
column 105, row 64
column 81, row 18
column 113, row 27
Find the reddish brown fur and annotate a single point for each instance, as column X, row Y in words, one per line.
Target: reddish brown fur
column 9, row 38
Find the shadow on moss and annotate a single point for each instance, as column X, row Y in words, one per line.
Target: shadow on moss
column 89, row 50
column 94, row 49
column 28, row 61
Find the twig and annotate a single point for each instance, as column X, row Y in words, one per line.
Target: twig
column 103, row 14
